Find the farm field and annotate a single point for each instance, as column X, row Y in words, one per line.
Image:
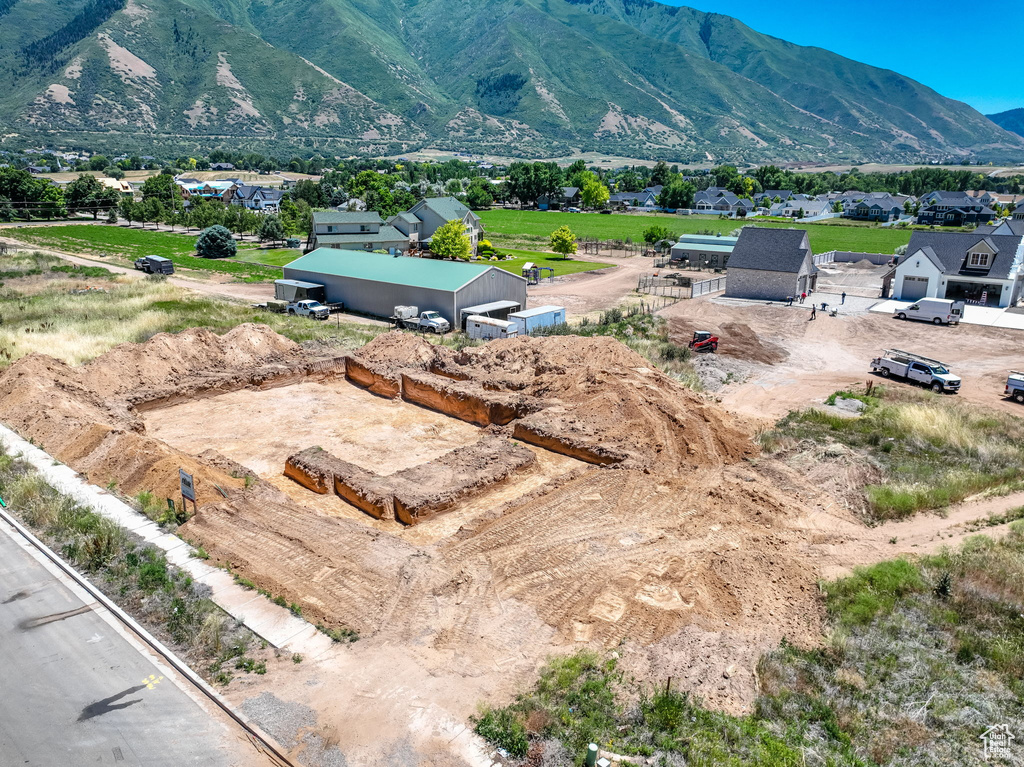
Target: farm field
column 562, row 266
column 130, row 243
column 512, row 227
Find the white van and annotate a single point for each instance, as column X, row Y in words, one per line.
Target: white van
column 937, row 310
column 488, row 328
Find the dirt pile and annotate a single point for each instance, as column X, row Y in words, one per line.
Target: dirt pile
column 590, row 398
column 85, row 416
column 736, row 339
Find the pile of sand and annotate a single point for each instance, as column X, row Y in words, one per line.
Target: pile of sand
column 592, row 398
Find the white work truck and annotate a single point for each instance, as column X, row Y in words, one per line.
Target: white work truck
column 412, row 318
column 309, row 308
column 916, row 369
column 1015, row 386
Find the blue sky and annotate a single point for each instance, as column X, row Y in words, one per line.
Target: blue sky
column 915, row 39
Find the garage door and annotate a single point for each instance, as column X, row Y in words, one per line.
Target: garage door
column 914, row 288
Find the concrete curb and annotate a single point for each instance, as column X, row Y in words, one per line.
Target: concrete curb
column 275, row 624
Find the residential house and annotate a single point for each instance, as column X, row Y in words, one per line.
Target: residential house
column 801, row 208
column 124, row 188
column 1008, row 226
column 770, row 196
column 771, row 264
column 874, row 208
column 655, row 190
column 722, row 202
column 259, row 198
column 974, row 267
column 708, row 251
column 570, row 197
column 632, row 200
column 355, row 230
column 221, row 166
column 419, row 223
column 954, row 211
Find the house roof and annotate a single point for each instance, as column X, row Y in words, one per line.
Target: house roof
column 246, row 192
column 447, row 208
column 408, row 217
column 950, row 249
column 386, row 234
column 1016, row 226
column 570, row 191
column 402, row 270
column 347, row 217
column 771, row 250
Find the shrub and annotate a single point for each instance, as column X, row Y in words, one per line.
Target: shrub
column 216, row 242
column 503, row 728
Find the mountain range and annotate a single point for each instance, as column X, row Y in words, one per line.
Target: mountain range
column 1011, row 120
column 534, row 78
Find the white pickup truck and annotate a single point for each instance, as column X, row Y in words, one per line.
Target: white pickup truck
column 410, row 317
column 309, row 308
column 916, row 369
column 1015, row 386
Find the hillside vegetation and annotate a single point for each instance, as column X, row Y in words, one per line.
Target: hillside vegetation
column 533, row 77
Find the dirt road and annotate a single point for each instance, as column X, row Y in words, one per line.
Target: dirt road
column 592, row 291
column 794, row 362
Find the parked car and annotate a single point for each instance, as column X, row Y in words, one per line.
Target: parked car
column 1015, row 387
column 572, row 210
column 916, row 369
column 937, row 310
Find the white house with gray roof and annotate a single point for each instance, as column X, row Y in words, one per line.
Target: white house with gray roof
column 355, row 230
column 986, row 269
column 771, row 265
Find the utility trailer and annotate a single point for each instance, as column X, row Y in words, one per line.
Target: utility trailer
column 154, row 265
column 916, row 369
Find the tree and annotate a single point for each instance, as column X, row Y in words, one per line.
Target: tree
column 161, row 187
column 87, row 194
column 563, row 241
column 451, row 241
column 98, row 162
column 216, row 242
column 127, row 208
column 655, row 235
column 479, row 195
column 628, row 181
column 594, row 194
column 114, row 172
column 660, row 174
column 6, row 210
column 153, row 210
column 271, row 229
column 111, row 216
column 678, row 194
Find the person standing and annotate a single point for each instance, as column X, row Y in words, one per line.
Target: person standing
column 813, row 315
column 843, row 297
column 803, row 297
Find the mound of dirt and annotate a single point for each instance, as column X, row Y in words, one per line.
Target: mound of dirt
column 736, row 339
column 590, row 398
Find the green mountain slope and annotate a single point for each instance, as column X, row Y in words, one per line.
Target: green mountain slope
column 1011, row 120
column 530, row 77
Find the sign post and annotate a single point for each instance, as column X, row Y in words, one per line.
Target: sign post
column 188, row 489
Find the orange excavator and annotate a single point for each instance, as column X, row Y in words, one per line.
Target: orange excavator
column 704, row 341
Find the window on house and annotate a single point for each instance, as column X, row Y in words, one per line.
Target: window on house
column 364, row 228
column 979, row 259
column 330, row 229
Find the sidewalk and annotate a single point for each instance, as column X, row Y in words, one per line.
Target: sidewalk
column 275, row 624
column 973, row 315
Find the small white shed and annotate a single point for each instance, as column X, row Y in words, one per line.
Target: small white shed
column 489, row 328
column 538, row 317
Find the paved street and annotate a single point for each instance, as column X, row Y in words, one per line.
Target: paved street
column 74, row 691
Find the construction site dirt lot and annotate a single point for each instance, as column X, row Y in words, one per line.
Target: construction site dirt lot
column 643, row 518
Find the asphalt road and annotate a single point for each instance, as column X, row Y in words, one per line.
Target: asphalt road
column 74, row 691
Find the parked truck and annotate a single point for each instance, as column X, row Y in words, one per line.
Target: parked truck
column 308, row 308
column 412, row 318
column 1015, row 386
column 154, row 265
column 916, row 369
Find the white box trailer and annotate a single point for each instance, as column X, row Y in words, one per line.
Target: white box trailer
column 489, row 328
column 529, row 320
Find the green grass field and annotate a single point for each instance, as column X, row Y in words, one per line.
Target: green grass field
column 556, row 262
column 505, row 228
column 270, row 256
column 129, row 244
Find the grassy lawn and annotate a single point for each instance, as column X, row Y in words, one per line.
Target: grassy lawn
column 130, row 244
column 270, row 257
column 552, row 260
column 513, row 227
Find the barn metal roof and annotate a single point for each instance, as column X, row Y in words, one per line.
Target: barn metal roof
column 398, row 270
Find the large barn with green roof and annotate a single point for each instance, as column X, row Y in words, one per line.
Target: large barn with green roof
column 375, row 283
